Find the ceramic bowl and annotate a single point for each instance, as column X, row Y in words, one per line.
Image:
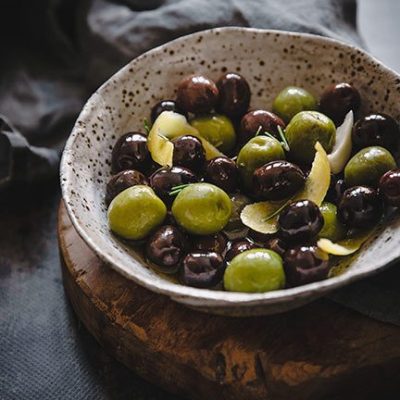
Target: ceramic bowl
column 270, row 60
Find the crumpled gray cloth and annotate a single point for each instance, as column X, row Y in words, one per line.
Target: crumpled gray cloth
column 60, row 51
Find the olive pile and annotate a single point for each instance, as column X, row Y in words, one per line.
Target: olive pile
column 187, row 214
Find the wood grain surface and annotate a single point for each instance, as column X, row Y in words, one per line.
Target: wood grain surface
column 320, row 351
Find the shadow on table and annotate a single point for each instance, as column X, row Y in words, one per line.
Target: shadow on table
column 45, row 353
column 113, row 380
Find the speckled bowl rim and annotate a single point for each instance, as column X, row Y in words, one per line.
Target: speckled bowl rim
column 207, row 297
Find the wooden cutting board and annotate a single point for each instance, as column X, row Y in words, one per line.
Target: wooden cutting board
column 320, row 351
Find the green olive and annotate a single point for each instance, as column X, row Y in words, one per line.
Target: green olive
column 255, row 271
column 202, row 208
column 136, row 212
column 304, row 130
column 256, row 152
column 291, row 101
column 367, row 166
column 332, row 228
column 217, row 129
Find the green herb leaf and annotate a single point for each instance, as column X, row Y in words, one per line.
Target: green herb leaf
column 177, row 189
column 270, row 135
column 285, row 143
column 259, row 131
column 274, row 214
column 146, row 126
column 282, row 136
column 161, row 135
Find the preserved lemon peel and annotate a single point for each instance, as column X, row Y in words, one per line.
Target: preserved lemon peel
column 170, row 125
column 260, row 216
column 160, row 147
column 347, row 246
column 211, row 151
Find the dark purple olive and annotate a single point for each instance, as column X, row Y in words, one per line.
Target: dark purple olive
column 276, row 244
column 202, row 269
column 216, row 243
column 197, row 94
column 131, row 152
column 260, row 238
column 277, row 180
column 376, row 130
column 389, row 187
column 305, row 168
column 305, row 264
column 337, row 100
column 165, row 105
column 234, row 95
column 166, row 247
column 170, row 219
column 360, row 207
column 300, row 221
column 253, row 120
column 165, row 178
column 124, row 180
column 222, row 172
column 238, row 247
column 189, row 152
column 336, row 189
column 340, row 188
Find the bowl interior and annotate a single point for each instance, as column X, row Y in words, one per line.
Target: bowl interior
column 270, row 61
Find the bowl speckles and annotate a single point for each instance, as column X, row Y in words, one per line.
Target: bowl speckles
column 270, row 60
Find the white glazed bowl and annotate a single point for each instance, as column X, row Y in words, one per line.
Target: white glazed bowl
column 270, row 60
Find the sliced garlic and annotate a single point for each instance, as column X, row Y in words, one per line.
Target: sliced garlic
column 341, row 151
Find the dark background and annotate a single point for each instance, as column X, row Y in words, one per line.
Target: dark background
column 27, row 237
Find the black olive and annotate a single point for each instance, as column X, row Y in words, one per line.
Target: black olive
column 124, row 180
column 197, row 94
column 165, row 105
column 337, row 100
column 170, row 219
column 258, row 120
column 336, row 189
column 216, row 243
column 234, row 95
column 166, row 247
column 237, row 247
column 305, row 264
column 189, row 152
column 276, row 244
column 300, row 221
column 376, row 130
column 389, row 187
column 277, row 180
column 165, row 178
column 222, row 172
column 202, row 269
column 131, row 152
column 360, row 207
column 260, row 238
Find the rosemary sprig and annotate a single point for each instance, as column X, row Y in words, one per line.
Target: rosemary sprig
column 177, row 189
column 285, row 143
column 281, row 133
column 259, row 131
column 270, row 135
column 146, row 126
column 275, row 213
column 159, row 134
